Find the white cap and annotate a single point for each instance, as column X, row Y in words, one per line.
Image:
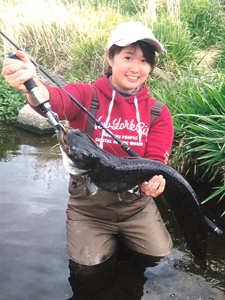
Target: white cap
column 130, row 32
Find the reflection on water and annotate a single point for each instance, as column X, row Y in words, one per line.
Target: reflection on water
column 33, row 196
column 33, row 256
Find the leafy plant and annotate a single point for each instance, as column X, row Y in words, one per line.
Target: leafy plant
column 11, row 101
column 204, row 136
column 179, row 47
column 69, row 37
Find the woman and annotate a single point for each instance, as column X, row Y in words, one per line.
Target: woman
column 94, row 224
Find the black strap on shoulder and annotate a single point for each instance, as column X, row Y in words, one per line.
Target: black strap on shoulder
column 90, row 123
column 155, row 111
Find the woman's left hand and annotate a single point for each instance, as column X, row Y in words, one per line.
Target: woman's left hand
column 154, row 187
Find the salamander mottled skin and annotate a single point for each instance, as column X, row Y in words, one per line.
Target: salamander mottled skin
column 118, row 174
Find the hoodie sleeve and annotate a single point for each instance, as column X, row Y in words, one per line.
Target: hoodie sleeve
column 160, row 137
column 63, row 105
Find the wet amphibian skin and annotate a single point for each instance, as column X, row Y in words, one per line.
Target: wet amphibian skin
column 81, row 155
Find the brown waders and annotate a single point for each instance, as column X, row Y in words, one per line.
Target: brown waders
column 95, row 223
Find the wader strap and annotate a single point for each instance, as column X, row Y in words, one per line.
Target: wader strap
column 90, row 123
column 155, row 111
column 89, row 127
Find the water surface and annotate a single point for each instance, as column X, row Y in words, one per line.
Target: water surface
column 33, row 256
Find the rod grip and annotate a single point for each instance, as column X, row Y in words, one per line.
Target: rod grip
column 29, row 84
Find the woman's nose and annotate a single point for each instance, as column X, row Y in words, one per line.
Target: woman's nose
column 134, row 67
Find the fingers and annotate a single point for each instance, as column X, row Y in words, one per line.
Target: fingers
column 16, row 72
column 23, row 57
column 154, row 187
column 23, row 60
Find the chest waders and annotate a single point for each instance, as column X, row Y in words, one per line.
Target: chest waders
column 84, row 279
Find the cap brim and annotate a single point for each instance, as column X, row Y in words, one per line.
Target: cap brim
column 158, row 47
column 123, row 43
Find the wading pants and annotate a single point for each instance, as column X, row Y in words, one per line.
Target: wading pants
column 94, row 224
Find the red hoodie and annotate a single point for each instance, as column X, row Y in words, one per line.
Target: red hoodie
column 122, row 121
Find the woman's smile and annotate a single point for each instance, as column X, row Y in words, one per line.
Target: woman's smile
column 129, row 68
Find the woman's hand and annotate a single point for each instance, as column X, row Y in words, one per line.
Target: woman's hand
column 154, row 187
column 16, row 72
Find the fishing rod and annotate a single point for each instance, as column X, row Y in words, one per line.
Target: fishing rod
column 53, row 118
column 45, row 106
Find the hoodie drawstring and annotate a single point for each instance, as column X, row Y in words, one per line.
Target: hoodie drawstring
column 138, row 120
column 108, row 117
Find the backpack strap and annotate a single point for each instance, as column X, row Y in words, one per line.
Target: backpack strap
column 155, row 111
column 90, row 123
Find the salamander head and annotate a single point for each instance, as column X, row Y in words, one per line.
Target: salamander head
column 78, row 151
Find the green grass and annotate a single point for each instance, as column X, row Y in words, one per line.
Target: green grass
column 11, row 100
column 197, row 104
column 69, row 38
column 205, row 20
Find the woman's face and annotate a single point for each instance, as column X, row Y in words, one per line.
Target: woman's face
column 129, row 68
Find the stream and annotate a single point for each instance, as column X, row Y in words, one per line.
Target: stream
column 33, row 255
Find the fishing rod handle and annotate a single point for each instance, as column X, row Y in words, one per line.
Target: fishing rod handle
column 45, row 107
column 30, row 83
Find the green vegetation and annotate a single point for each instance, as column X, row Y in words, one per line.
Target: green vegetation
column 198, row 105
column 11, row 101
column 69, row 38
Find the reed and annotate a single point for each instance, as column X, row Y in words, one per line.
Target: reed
column 69, row 38
column 197, row 104
column 205, row 20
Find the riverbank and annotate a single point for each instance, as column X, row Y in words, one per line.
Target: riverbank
column 74, row 50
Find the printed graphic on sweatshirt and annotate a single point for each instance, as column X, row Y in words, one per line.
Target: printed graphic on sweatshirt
column 123, row 128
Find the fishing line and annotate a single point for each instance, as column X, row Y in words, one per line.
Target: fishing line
column 31, row 85
column 53, row 118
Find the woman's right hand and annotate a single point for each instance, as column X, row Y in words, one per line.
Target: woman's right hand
column 16, row 72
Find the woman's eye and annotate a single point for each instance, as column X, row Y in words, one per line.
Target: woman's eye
column 128, row 58
column 144, row 60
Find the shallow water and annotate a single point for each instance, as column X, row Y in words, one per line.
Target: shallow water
column 33, row 256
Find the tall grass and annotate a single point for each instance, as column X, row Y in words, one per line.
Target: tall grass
column 69, row 38
column 180, row 48
column 60, row 36
column 205, row 19
column 197, row 104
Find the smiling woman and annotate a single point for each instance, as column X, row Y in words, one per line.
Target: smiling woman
column 95, row 226
column 131, row 63
column 129, row 67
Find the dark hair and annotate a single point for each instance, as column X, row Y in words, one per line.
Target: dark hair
column 147, row 49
